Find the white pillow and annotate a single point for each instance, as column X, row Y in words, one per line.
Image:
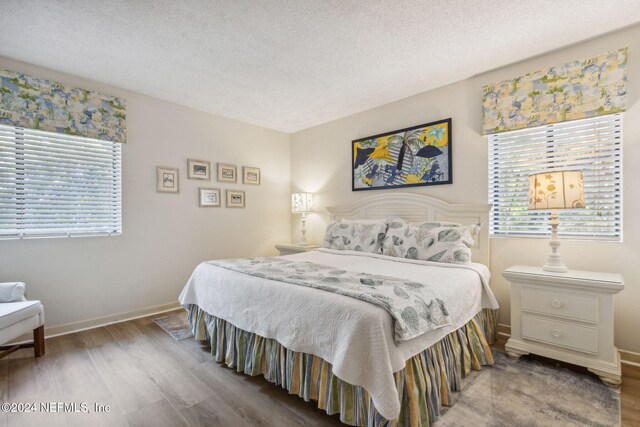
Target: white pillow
column 431, row 241
column 355, row 236
column 11, row 292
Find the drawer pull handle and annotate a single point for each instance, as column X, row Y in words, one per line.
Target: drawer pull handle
column 556, row 303
column 556, row 333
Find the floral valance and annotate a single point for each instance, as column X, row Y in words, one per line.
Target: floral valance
column 576, row 90
column 35, row 103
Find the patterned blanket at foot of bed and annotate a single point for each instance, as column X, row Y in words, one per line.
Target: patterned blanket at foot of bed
column 415, row 307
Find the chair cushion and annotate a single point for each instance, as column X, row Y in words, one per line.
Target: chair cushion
column 13, row 312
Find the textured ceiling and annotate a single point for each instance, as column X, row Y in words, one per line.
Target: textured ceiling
column 287, row 64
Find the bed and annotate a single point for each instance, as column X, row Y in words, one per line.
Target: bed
column 343, row 352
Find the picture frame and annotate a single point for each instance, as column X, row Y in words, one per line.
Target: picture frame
column 209, row 197
column 410, row 157
column 167, row 180
column 227, row 173
column 250, row 175
column 235, row 199
column 198, row 169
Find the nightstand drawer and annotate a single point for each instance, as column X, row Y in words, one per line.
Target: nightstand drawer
column 571, row 306
column 575, row 337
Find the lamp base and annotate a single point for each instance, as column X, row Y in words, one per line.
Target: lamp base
column 303, row 231
column 554, row 263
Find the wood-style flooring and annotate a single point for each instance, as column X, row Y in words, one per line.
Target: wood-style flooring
column 630, row 396
column 149, row 379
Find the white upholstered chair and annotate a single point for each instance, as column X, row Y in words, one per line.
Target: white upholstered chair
column 19, row 317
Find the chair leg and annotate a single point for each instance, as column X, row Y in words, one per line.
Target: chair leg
column 38, row 341
column 7, row 350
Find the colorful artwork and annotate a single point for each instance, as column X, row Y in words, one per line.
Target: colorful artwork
column 34, row 103
column 577, row 90
column 419, row 155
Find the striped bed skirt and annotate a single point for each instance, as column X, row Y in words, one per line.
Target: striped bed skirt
column 424, row 385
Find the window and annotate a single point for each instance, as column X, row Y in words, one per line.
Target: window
column 56, row 185
column 593, row 145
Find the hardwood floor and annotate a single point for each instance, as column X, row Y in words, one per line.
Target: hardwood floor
column 630, row 396
column 149, row 379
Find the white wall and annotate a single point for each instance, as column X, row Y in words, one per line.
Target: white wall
column 320, row 159
column 164, row 235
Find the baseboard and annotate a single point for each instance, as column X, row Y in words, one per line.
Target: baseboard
column 504, row 330
column 83, row 325
column 629, row 357
column 626, row 357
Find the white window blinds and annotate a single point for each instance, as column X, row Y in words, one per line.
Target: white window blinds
column 592, row 145
column 54, row 185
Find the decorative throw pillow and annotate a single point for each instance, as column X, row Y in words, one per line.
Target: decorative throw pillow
column 430, row 241
column 355, row 237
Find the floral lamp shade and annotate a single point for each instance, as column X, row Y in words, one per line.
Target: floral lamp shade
column 556, row 190
column 552, row 191
column 301, row 202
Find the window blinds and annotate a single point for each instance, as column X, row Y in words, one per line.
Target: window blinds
column 54, row 184
column 592, row 145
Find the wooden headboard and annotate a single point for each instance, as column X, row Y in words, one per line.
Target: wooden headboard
column 418, row 207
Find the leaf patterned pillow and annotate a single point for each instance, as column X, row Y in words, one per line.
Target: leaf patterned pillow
column 430, row 241
column 355, row 237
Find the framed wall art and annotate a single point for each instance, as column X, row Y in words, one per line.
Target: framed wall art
column 415, row 156
column 227, row 173
column 235, row 199
column 167, row 180
column 198, row 169
column 250, row 175
column 209, row 197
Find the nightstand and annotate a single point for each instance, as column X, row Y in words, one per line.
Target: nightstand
column 292, row 248
column 565, row 316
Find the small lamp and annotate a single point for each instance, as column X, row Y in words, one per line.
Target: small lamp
column 302, row 203
column 553, row 191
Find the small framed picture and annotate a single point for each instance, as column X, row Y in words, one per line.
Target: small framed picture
column 250, row 175
column 227, row 173
column 198, row 169
column 235, row 199
column 167, row 180
column 209, row 197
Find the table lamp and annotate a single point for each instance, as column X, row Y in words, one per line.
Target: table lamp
column 552, row 191
column 302, row 203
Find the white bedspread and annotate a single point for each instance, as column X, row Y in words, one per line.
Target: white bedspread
column 354, row 336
